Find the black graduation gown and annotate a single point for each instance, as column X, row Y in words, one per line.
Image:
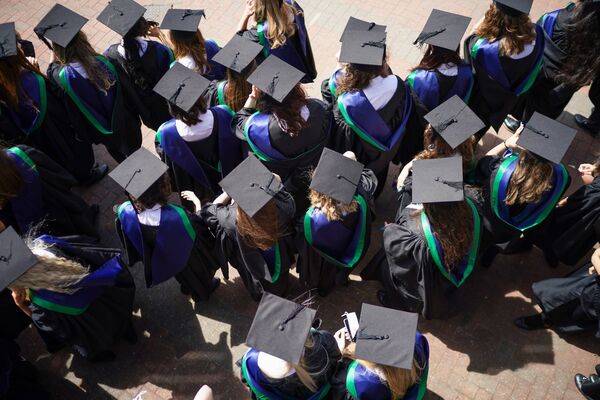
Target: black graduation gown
column 126, row 126
column 571, row 304
column 248, row 261
column 107, row 319
column 211, row 94
column 66, row 212
column 14, row 320
column 196, row 277
column 317, row 272
column 56, row 136
column 19, row 380
column 303, row 151
column 156, row 110
column 490, row 101
column 343, row 137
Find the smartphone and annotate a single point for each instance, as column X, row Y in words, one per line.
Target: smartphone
column 351, row 324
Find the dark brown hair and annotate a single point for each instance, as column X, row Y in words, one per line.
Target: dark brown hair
column 289, row 111
column 358, row 76
column 192, row 44
column 191, row 117
column 133, row 61
column 453, row 225
column 514, row 32
column 10, row 82
column 157, row 193
column 11, row 180
column 530, row 180
column 262, row 230
column 435, row 56
column 238, row 89
column 437, row 147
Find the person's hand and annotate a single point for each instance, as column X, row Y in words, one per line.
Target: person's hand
column 153, row 30
column 350, row 155
column 33, row 61
column 191, row 196
column 403, row 175
column 511, row 142
column 587, row 173
column 20, row 297
column 563, row 202
column 205, row 393
column 340, row 337
column 256, row 92
column 595, row 262
column 250, row 8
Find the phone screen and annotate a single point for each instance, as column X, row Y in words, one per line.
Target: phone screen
column 351, row 324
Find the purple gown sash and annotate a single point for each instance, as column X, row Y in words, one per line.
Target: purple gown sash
column 257, row 136
column 31, row 110
column 426, row 85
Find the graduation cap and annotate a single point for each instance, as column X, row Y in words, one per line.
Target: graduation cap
column 60, row 25
column 438, row 180
column 280, row 328
column 121, row 15
column 546, row 138
column 444, row 29
column 15, row 257
column 8, row 40
column 275, row 77
column 182, row 86
column 363, row 47
column 454, row 121
column 336, row 176
column 514, row 7
column 178, row 19
column 386, row 336
column 156, row 12
column 251, row 185
column 138, row 172
column 238, row 53
column 355, row 24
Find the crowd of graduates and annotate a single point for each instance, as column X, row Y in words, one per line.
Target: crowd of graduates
column 270, row 179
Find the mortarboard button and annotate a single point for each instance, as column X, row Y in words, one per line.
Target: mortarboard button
column 438, row 180
column 275, row 77
column 60, row 25
column 444, row 29
column 363, row 47
column 546, row 137
column 121, row 15
column 182, row 86
column 15, row 257
column 185, row 20
column 355, row 24
column 238, row 53
column 454, row 121
column 337, row 176
column 138, row 172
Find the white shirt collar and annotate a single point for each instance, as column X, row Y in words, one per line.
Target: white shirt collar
column 449, row 69
column 529, row 47
column 381, row 90
column 150, row 217
column 142, row 48
column 199, row 131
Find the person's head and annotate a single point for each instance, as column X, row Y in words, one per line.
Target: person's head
column 10, row 84
column 279, row 15
column 331, row 208
column 81, row 51
column 288, row 112
column 133, row 62
column 436, row 147
column 262, row 230
column 191, row 117
column 398, row 380
column 11, row 180
column 190, row 44
column 358, row 76
column 238, row 89
column 57, row 274
column 436, row 56
column 157, row 193
column 583, row 34
column 513, row 31
column 453, row 224
column 531, row 179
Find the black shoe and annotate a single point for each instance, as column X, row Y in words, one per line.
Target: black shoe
column 580, row 380
column 98, row 172
column 511, row 123
column 531, row 322
column 598, row 369
column 587, row 124
column 594, row 378
column 382, row 297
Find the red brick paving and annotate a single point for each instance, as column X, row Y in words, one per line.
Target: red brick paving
column 477, row 354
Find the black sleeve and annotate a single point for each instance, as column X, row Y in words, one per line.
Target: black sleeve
column 338, row 381
column 132, row 255
column 212, row 94
column 368, row 182
column 467, row 49
column 485, row 168
column 52, row 73
column 239, row 121
column 328, row 97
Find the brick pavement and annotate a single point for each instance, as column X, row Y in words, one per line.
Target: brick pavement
column 477, row 354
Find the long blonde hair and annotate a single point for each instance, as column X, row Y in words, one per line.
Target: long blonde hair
column 398, row 380
column 530, row 180
column 333, row 209
column 513, row 32
column 57, row 274
column 277, row 13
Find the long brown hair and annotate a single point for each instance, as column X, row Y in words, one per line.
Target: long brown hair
column 436, row 56
column 288, row 112
column 157, row 193
column 10, row 83
column 513, row 32
column 277, row 14
column 191, row 117
column 190, row 44
column 133, row 61
column 333, row 209
column 11, row 180
column 530, row 180
column 453, row 224
column 80, row 50
column 262, row 230
column 238, row 88
column 437, row 147
column 358, row 76
column 398, row 380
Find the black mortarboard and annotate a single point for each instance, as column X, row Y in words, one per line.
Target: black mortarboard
column 438, row 180
column 386, row 336
column 454, row 121
column 280, row 328
column 363, row 47
column 15, row 257
column 275, row 77
column 60, row 25
column 444, row 29
column 138, row 172
column 336, row 176
column 178, row 19
column 546, row 137
column 251, row 185
column 514, row 7
column 8, row 40
column 121, row 15
column 238, row 53
column 182, row 86
column 355, row 24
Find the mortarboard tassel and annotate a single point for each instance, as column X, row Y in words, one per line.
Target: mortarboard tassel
column 173, row 98
column 299, row 308
column 380, row 44
column 454, row 185
column 5, row 259
column 363, row 336
column 538, row 132
column 271, row 88
column 188, row 13
column 428, row 35
column 121, row 13
column 234, row 62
